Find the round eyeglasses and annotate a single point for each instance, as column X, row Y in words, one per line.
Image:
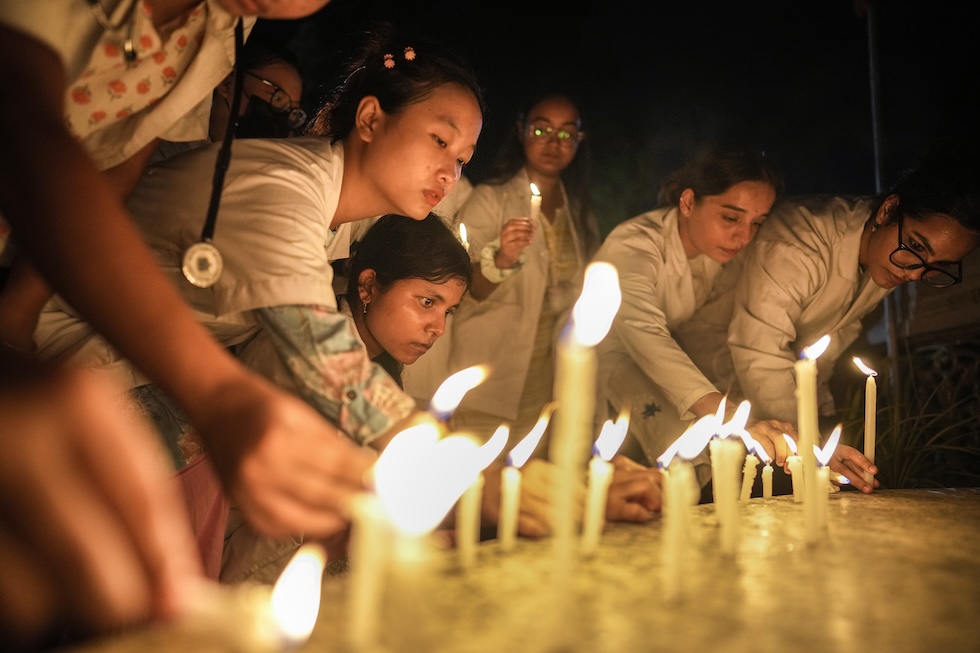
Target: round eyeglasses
column 281, row 102
column 939, row 274
column 566, row 136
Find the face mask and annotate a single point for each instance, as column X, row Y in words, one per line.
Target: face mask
column 260, row 120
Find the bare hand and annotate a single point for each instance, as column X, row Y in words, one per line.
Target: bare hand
column 769, row 433
column 517, row 234
column 285, row 467
column 95, row 535
column 853, row 464
column 635, row 492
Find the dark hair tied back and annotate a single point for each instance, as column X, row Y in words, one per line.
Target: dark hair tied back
column 398, row 69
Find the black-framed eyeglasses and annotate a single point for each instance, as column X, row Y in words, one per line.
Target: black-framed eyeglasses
column 283, row 103
column 567, row 136
column 940, row 274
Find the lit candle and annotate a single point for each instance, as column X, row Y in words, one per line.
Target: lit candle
column 766, row 472
column 447, row 396
column 510, row 480
column 823, row 476
column 795, row 465
column 680, row 493
column 808, row 427
column 417, row 479
column 255, row 617
column 749, row 471
column 468, row 510
column 575, row 373
column 462, row 237
column 535, row 203
column 726, row 453
column 870, row 415
column 600, row 476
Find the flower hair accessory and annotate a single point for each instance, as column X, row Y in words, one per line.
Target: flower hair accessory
column 389, row 59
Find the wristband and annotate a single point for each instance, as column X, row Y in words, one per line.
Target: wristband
column 488, row 263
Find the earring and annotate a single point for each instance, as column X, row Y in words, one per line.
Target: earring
column 364, row 308
column 874, row 227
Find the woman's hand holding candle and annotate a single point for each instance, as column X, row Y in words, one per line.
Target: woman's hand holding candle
column 853, row 465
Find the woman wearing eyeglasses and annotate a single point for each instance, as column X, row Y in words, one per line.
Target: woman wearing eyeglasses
column 822, row 264
column 527, row 265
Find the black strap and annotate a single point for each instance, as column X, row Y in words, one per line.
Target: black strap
column 224, row 154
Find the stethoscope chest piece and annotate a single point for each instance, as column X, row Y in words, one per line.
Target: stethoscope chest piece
column 202, row 264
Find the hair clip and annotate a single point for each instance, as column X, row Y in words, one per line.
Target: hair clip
column 389, row 61
column 409, row 53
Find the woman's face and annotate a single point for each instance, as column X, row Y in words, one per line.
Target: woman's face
column 414, row 157
column 551, row 135
column 936, row 239
column 718, row 226
column 406, row 318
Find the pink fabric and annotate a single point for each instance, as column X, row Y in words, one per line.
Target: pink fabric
column 207, row 509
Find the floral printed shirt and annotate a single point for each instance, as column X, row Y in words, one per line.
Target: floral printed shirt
column 329, row 365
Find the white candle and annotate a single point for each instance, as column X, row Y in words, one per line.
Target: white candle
column 418, row 478
column 535, row 203
column 510, row 480
column 870, row 415
column 767, row 481
column 823, row 477
column 468, row 509
column 600, row 476
column 575, row 373
column 808, row 428
column 369, row 557
column 681, row 491
column 255, row 617
column 795, row 465
column 462, row 237
column 725, row 456
column 749, row 471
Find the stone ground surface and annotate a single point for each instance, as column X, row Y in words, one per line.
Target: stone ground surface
column 896, row 571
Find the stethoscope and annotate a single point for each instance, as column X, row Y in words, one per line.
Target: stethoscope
column 202, row 263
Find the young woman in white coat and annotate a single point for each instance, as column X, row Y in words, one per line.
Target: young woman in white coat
column 668, row 259
column 527, row 266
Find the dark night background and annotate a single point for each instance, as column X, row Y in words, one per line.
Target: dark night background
column 659, row 78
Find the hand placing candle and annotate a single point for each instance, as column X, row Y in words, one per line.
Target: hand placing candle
column 510, row 490
column 600, row 475
column 870, row 415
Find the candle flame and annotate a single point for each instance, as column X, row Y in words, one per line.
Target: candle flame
column 597, row 305
column 824, row 455
column 692, row 441
column 843, row 480
column 864, row 368
column 760, row 451
column 523, row 449
column 296, row 595
column 611, row 437
column 737, row 423
column 447, row 397
column 813, row 351
column 419, row 477
column 791, row 442
column 462, row 237
column 534, row 190
column 492, row 447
